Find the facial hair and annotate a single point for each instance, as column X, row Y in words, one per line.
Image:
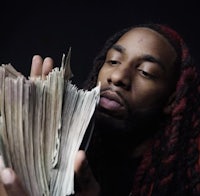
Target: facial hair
column 139, row 125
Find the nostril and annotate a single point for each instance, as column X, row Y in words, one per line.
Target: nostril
column 119, row 83
column 121, row 76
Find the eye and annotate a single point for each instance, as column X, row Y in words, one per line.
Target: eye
column 113, row 62
column 146, row 74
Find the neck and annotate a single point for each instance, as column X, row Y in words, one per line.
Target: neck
column 126, row 144
column 114, row 153
column 113, row 161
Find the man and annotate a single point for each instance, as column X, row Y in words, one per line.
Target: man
column 146, row 136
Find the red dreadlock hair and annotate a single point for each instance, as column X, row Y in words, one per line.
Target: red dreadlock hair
column 172, row 165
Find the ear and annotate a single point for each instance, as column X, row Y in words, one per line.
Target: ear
column 170, row 103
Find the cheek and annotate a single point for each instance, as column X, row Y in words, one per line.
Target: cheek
column 147, row 96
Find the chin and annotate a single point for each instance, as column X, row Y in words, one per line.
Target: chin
column 106, row 123
column 136, row 124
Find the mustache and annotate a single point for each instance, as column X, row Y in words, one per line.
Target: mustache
column 115, row 95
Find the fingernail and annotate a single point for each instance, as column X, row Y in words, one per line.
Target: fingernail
column 7, row 176
column 2, row 164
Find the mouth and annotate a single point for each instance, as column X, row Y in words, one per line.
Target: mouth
column 111, row 102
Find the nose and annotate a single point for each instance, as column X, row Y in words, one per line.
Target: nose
column 121, row 76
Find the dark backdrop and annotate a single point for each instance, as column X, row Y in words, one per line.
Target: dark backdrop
column 49, row 28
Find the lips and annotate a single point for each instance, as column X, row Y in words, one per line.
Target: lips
column 111, row 101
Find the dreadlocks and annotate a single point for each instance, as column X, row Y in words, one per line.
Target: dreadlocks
column 172, row 165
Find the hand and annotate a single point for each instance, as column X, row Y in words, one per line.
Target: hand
column 88, row 186
column 10, row 185
column 83, row 176
column 9, row 182
column 40, row 67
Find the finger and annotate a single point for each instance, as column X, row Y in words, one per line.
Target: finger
column 36, row 66
column 47, row 67
column 82, row 170
column 87, row 184
column 80, row 162
column 2, row 190
column 2, row 166
column 11, row 183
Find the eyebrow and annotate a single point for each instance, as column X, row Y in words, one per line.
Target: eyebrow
column 146, row 57
column 118, row 48
column 152, row 59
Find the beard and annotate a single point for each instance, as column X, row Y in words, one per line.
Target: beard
column 137, row 124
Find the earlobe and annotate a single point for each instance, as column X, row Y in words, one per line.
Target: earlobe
column 170, row 104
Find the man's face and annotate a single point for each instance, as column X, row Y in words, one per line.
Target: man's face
column 137, row 75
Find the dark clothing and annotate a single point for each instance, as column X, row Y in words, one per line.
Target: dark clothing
column 113, row 169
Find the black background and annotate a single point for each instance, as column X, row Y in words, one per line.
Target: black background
column 49, row 28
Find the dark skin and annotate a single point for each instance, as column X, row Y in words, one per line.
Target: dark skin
column 136, row 79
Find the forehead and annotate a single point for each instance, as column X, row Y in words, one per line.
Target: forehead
column 144, row 35
column 142, row 40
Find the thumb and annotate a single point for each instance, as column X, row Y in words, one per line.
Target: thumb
column 10, row 181
column 84, row 177
column 80, row 162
